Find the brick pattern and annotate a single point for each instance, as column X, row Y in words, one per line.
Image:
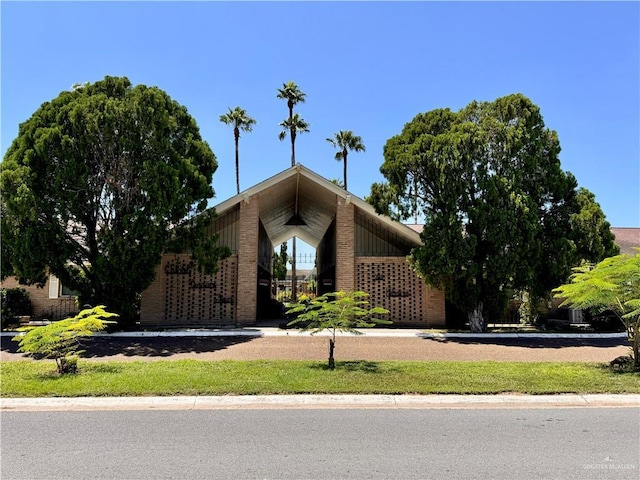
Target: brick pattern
column 392, row 284
column 248, row 225
column 195, row 298
column 152, row 299
column 182, row 295
column 435, row 308
column 345, row 266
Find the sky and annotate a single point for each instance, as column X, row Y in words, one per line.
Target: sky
column 369, row 67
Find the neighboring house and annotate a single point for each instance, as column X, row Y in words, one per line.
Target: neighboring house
column 53, row 301
column 356, row 249
column 303, row 278
column 627, row 239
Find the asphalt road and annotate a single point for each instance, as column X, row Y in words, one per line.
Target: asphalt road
column 530, row 443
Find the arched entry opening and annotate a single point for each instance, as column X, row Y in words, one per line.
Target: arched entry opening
column 315, row 272
column 299, row 211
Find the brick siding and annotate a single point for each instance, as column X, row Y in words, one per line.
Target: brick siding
column 392, row 284
column 248, row 260
column 345, row 266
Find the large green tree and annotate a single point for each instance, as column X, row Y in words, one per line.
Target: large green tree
column 500, row 213
column 98, row 184
column 345, row 141
column 240, row 120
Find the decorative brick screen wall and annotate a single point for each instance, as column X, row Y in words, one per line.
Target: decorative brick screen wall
column 392, row 284
column 194, row 298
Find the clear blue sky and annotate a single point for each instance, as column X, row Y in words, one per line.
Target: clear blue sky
column 369, row 67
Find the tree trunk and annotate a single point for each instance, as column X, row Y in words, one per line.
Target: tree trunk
column 237, row 168
column 634, row 333
column 332, row 362
column 344, row 160
column 476, row 320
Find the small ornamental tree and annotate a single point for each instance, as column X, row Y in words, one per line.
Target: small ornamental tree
column 613, row 284
column 336, row 311
column 61, row 340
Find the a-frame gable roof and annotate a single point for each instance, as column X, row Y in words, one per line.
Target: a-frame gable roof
column 313, row 197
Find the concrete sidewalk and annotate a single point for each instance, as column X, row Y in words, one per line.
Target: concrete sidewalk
column 319, row 401
column 369, row 332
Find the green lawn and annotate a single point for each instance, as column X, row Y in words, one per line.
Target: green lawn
column 29, row 378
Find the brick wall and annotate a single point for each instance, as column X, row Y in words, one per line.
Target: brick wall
column 153, row 298
column 180, row 295
column 392, row 284
column 435, row 310
column 345, row 267
column 248, row 260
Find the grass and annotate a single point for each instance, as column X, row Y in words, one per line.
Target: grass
column 28, row 378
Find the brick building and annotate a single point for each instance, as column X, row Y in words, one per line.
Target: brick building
column 356, row 249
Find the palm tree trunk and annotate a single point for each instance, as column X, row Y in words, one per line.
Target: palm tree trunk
column 293, row 147
column 292, row 135
column 344, row 160
column 237, row 168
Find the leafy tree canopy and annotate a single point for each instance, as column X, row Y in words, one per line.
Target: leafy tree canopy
column 500, row 214
column 99, row 182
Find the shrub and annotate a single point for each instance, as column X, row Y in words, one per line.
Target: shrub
column 14, row 302
column 61, row 340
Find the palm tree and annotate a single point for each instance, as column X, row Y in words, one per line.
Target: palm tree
column 293, row 126
column 293, row 95
column 241, row 121
column 344, row 141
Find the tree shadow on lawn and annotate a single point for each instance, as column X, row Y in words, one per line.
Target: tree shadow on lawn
column 96, row 347
column 364, row 366
column 538, row 342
